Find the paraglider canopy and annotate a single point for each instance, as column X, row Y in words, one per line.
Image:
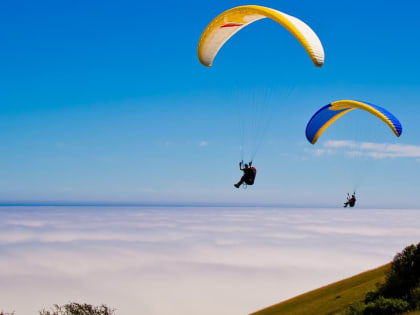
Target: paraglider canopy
column 228, row 23
column 328, row 114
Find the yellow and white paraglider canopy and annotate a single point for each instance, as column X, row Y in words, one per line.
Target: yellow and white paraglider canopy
column 228, row 23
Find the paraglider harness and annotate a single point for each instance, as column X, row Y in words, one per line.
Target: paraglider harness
column 249, row 175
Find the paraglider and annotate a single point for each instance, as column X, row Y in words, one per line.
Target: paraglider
column 328, row 114
column 250, row 173
column 351, row 201
column 228, row 23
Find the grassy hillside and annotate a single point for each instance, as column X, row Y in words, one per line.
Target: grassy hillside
column 331, row 299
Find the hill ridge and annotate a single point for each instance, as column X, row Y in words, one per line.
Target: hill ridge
column 332, row 298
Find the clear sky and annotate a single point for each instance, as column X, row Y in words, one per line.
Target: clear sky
column 107, row 101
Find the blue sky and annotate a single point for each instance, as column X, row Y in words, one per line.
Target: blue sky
column 107, row 101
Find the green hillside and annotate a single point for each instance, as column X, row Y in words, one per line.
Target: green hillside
column 331, row 299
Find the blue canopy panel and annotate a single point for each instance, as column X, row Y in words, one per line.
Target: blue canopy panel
column 319, row 119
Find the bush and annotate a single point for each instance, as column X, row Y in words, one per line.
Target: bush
column 414, row 299
column 404, row 275
column 79, row 309
column 401, row 290
column 384, row 306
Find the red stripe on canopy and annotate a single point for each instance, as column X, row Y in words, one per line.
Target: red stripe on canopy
column 231, row 25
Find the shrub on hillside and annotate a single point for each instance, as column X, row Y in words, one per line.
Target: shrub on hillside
column 386, row 306
column 401, row 290
column 404, row 276
column 380, row 306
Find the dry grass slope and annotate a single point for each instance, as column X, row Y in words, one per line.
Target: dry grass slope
column 331, row 299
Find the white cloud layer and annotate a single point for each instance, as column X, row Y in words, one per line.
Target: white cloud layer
column 370, row 149
column 188, row 260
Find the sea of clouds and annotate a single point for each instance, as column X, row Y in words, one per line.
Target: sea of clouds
column 187, row 260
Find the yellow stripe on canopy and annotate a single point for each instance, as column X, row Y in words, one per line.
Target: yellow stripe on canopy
column 338, row 105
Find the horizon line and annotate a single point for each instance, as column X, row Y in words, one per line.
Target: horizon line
column 43, row 203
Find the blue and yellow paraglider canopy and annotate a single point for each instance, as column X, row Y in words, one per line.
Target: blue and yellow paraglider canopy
column 328, row 114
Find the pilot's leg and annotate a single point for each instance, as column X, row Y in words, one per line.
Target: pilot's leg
column 240, row 182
